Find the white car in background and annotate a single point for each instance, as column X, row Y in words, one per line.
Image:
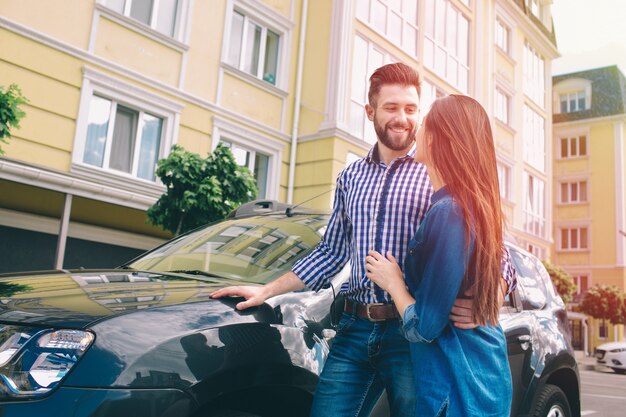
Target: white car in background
column 613, row 355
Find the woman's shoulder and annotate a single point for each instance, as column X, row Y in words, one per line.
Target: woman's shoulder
column 445, row 205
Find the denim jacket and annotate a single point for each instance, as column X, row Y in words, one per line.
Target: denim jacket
column 458, row 372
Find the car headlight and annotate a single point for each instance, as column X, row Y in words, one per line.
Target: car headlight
column 618, row 350
column 33, row 361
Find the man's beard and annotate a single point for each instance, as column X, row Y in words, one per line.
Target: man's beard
column 396, row 145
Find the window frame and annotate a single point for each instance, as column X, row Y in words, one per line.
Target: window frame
column 430, row 92
column 569, row 228
column 256, row 142
column 534, row 75
column 507, row 105
column 96, row 83
column 570, row 137
column 602, row 324
column 178, row 39
column 568, row 101
column 443, row 46
column 267, row 19
column 570, row 86
column 357, row 99
column 505, row 29
column 536, row 213
column 534, row 133
column 570, row 183
column 508, row 180
column 367, row 20
column 577, row 280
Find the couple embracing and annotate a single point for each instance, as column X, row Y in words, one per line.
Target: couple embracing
column 419, row 218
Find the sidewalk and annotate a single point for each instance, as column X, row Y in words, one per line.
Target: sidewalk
column 584, row 361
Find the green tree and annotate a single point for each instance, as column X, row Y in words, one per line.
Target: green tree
column 199, row 191
column 603, row 302
column 563, row 282
column 10, row 112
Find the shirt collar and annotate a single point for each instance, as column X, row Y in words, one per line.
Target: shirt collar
column 439, row 194
column 373, row 157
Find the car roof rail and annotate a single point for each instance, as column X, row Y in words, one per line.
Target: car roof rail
column 257, row 207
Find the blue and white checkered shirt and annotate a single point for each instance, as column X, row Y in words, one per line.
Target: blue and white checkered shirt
column 377, row 207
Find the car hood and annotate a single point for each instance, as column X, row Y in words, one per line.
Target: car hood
column 612, row 345
column 76, row 299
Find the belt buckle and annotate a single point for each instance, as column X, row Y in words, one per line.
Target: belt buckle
column 367, row 310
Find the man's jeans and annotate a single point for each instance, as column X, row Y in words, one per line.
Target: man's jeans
column 365, row 358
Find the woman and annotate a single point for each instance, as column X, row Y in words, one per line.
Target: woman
column 458, row 247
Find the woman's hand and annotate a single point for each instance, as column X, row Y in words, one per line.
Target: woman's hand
column 385, row 272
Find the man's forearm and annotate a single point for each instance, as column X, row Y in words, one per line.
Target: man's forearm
column 285, row 283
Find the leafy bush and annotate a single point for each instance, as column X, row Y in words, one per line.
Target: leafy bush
column 199, row 191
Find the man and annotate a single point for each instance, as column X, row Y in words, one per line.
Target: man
column 379, row 203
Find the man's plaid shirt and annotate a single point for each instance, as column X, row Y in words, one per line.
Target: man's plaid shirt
column 377, row 207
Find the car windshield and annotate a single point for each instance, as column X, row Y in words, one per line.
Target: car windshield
column 255, row 249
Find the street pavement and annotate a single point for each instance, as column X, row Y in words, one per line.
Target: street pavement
column 603, row 391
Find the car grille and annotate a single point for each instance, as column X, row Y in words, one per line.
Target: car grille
column 600, row 353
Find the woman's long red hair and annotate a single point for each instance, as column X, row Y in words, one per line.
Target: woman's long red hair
column 462, row 151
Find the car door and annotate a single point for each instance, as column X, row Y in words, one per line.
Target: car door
column 519, row 322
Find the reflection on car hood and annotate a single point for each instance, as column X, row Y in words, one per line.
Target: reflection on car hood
column 77, row 298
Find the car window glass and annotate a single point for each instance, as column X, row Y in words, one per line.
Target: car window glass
column 532, row 287
column 254, row 249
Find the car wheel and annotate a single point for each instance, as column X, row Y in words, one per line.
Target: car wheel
column 551, row 402
column 619, row 371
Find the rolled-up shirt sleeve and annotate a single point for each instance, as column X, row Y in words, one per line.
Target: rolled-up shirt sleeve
column 332, row 252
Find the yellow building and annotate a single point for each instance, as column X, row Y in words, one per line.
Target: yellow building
column 590, row 185
column 113, row 84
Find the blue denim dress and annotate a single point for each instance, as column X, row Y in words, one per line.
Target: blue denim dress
column 457, row 372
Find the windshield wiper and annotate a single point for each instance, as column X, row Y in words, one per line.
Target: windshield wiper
column 195, row 272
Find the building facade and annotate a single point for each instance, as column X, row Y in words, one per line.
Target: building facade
column 590, row 186
column 283, row 82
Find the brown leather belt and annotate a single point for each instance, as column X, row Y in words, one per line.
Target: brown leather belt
column 372, row 312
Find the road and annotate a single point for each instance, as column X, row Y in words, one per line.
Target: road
column 603, row 393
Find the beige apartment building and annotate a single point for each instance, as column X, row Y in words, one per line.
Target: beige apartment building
column 590, row 188
column 113, row 84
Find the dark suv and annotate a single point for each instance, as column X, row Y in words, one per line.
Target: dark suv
column 145, row 339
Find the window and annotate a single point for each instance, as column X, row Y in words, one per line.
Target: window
column 603, row 330
column 503, row 35
column 534, row 139
column 430, row 93
column 160, row 15
column 538, row 251
column 261, row 154
column 396, row 19
column 575, row 238
column 582, row 285
column 573, row 192
column 122, row 130
column 572, row 102
column 256, row 162
column 504, row 178
column 366, row 59
column 122, row 138
column 534, row 7
column 573, row 147
column 253, row 48
column 534, row 75
column 502, row 106
column 534, row 206
column 446, row 43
